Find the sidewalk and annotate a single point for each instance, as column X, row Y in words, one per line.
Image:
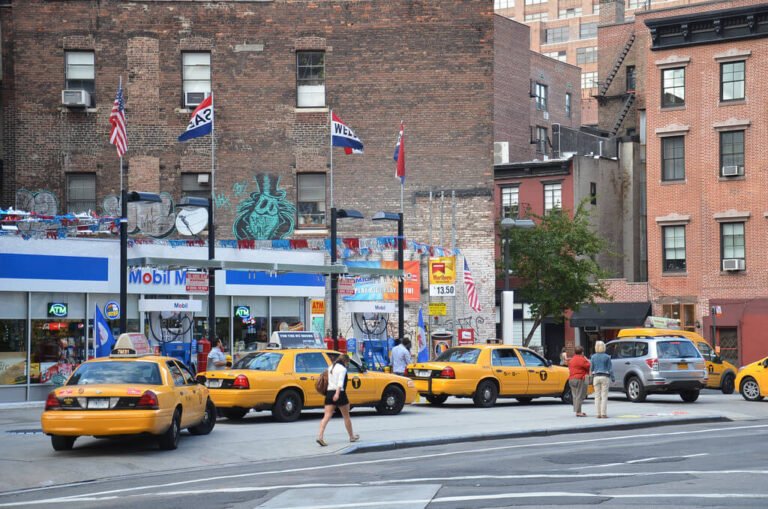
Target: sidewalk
column 29, row 461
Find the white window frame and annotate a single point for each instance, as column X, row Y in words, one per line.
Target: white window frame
column 80, row 71
column 310, row 79
column 195, row 73
column 311, row 200
column 553, row 196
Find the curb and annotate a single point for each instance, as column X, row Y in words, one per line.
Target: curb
column 423, row 442
column 22, row 404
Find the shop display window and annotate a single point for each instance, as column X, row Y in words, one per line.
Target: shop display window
column 13, row 352
column 58, row 347
column 250, row 335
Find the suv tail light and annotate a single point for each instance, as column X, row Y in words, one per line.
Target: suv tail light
column 447, row 372
column 653, row 364
column 52, row 403
column 241, row 382
column 148, row 401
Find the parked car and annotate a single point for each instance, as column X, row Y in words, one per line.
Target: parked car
column 646, row 362
column 752, row 380
column 720, row 374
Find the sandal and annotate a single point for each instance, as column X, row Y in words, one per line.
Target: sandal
column 581, row 415
column 354, row 438
column 321, row 442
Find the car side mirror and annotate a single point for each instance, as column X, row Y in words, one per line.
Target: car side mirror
column 716, row 359
column 549, row 363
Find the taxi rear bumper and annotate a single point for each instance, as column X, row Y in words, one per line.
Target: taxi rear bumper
column 229, row 398
column 441, row 386
column 105, row 423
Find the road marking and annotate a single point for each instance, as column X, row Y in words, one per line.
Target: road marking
column 642, row 460
column 379, row 461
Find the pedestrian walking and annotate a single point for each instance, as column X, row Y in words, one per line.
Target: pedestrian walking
column 578, row 367
column 564, row 357
column 602, row 376
column 336, row 397
column 401, row 357
column 216, row 357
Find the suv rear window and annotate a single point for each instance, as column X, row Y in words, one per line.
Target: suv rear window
column 673, row 349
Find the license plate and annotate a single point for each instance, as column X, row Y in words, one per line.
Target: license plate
column 213, row 383
column 423, row 373
column 682, row 365
column 98, row 403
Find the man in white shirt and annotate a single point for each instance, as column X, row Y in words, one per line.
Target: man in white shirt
column 401, row 357
column 216, row 358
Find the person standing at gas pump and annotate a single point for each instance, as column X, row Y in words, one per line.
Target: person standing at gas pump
column 216, row 358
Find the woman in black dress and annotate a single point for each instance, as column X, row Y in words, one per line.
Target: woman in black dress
column 336, row 397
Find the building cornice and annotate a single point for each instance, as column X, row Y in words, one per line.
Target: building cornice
column 731, row 215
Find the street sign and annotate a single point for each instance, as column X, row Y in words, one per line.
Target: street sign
column 438, row 308
column 197, row 282
column 442, row 290
column 346, row 286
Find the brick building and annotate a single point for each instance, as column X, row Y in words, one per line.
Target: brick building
column 276, row 68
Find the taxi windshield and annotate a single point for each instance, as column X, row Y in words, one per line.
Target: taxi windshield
column 116, row 372
column 464, row 355
column 260, row 361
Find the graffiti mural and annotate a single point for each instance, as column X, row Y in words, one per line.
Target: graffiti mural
column 42, row 202
column 266, row 214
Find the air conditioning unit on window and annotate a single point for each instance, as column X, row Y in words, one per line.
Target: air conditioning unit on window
column 546, row 115
column 733, row 264
column 590, row 328
column 500, row 152
column 193, row 99
column 203, row 179
column 75, row 98
column 733, row 171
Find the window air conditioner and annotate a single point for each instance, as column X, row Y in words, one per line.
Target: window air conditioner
column 733, row 264
column 590, row 328
column 193, row 99
column 546, row 115
column 500, row 152
column 203, row 178
column 733, row 171
column 75, row 98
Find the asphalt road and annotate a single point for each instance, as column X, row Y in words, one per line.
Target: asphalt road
column 703, row 465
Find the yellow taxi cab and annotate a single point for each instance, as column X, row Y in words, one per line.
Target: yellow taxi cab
column 283, row 381
column 487, row 372
column 752, row 380
column 128, row 393
column 721, row 374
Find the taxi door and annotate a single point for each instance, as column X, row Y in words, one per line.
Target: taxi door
column 198, row 395
column 714, row 369
column 361, row 388
column 308, row 366
column 539, row 379
column 183, row 395
column 509, row 371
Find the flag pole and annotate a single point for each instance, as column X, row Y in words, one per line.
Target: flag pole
column 402, row 182
column 120, row 85
column 212, row 235
column 330, row 149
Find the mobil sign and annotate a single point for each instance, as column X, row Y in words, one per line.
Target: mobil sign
column 147, row 280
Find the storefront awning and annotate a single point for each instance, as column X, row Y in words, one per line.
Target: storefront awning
column 611, row 314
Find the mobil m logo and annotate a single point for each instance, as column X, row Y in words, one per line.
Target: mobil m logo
column 157, row 277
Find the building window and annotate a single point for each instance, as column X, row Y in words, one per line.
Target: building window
column 732, row 81
column 586, row 55
column 539, row 16
column 80, row 71
column 631, row 78
column 682, row 312
column 636, row 4
column 541, row 92
column 673, row 158
column 596, row 8
column 673, row 87
column 593, row 193
column 559, row 34
column 553, row 197
column 197, row 78
column 589, row 79
column 562, row 56
column 541, row 139
column 311, row 200
column 732, row 241
column 196, row 184
column 310, row 79
column 588, row 31
column 81, row 192
column 503, row 4
column 568, row 104
column 674, row 248
column 570, row 13
column 510, row 197
column 731, row 152
column 534, row 2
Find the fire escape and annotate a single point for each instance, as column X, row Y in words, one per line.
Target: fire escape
column 629, row 96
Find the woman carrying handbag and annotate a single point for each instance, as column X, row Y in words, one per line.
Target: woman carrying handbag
column 336, row 397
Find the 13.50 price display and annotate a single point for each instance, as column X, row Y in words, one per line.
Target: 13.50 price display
column 442, row 290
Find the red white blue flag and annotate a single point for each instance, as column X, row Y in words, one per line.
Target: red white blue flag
column 118, row 135
column 400, row 155
column 469, row 284
column 201, row 122
column 343, row 136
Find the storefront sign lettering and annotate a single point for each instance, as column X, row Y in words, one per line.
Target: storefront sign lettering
column 243, row 312
column 157, row 277
column 57, row 309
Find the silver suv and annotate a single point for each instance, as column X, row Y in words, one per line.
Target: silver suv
column 645, row 365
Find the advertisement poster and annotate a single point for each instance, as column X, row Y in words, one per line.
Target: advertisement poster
column 442, row 270
column 375, row 288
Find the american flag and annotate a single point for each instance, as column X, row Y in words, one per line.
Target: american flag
column 118, row 135
column 469, row 284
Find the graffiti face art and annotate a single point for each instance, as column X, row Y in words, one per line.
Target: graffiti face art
column 266, row 214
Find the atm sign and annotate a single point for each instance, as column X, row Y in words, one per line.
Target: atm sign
column 243, row 312
column 57, row 309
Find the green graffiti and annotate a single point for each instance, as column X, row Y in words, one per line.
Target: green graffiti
column 266, row 214
column 240, row 189
column 222, row 202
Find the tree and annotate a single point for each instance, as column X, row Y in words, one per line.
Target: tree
column 555, row 264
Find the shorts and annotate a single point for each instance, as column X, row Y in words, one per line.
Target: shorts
column 342, row 401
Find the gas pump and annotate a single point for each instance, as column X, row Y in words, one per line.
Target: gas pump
column 370, row 330
column 170, row 326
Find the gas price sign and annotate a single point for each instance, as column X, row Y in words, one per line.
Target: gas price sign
column 442, row 290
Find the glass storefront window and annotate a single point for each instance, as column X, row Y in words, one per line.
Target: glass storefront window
column 287, row 314
column 58, row 346
column 13, row 352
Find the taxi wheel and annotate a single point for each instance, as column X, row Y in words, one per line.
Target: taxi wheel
column 635, row 390
column 61, row 443
column 208, row 422
column 169, row 440
column 392, row 401
column 567, row 395
column 727, row 385
column 234, row 413
column 435, row 399
column 287, row 407
column 485, row 395
column 750, row 390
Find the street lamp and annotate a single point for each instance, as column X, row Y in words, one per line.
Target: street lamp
column 195, row 202
column 125, row 197
column 506, row 224
column 335, row 215
column 397, row 216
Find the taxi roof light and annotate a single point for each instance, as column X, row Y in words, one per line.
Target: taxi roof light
column 148, row 401
column 131, row 344
column 52, row 403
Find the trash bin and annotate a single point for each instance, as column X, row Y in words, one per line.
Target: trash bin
column 441, row 340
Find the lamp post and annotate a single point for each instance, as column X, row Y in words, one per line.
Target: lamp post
column 207, row 203
column 125, row 197
column 506, row 224
column 335, row 215
column 397, row 216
